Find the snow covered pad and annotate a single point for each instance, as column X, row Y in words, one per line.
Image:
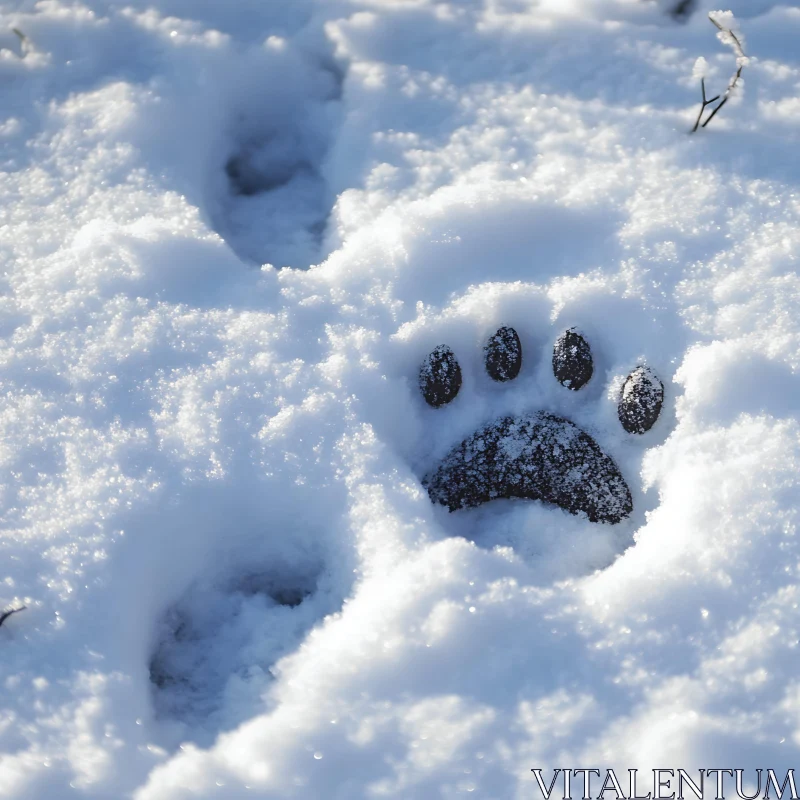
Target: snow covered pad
column 538, row 457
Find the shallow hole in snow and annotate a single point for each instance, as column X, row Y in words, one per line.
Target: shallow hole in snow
column 217, row 645
column 274, row 200
column 277, row 207
column 247, row 142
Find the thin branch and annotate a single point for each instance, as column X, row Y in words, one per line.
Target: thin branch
column 740, row 61
column 739, row 50
column 6, row 614
column 705, row 103
column 725, row 98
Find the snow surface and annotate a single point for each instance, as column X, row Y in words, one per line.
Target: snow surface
column 210, row 469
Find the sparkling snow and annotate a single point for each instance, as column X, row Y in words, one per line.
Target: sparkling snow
column 211, row 454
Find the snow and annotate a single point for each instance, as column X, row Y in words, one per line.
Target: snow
column 230, row 234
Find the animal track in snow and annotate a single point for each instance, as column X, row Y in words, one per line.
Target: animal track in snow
column 537, row 456
column 217, row 645
column 275, row 200
column 538, row 470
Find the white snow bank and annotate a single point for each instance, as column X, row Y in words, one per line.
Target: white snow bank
column 236, row 585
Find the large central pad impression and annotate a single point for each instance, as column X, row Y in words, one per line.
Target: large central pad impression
column 536, row 456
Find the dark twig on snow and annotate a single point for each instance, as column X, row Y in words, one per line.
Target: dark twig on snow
column 705, row 103
column 741, row 60
column 6, row 614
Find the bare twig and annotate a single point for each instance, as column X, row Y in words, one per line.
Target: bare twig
column 741, row 60
column 6, row 614
column 705, row 103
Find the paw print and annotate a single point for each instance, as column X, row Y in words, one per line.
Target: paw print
column 538, row 455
